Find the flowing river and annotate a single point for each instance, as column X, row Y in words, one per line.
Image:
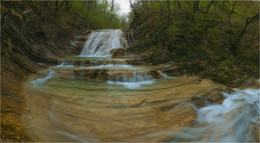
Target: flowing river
column 93, row 97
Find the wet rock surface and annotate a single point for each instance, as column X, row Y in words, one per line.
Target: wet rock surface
column 80, row 110
column 66, row 108
column 30, row 41
column 86, row 98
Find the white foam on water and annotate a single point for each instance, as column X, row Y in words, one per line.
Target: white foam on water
column 235, row 120
column 102, row 42
column 89, row 56
column 138, row 79
column 114, row 65
column 65, row 64
column 131, row 85
column 239, row 99
column 40, row 81
column 164, row 75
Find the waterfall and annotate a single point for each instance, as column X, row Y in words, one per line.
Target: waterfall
column 102, row 42
column 138, row 79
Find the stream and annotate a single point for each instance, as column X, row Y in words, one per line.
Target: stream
column 94, row 97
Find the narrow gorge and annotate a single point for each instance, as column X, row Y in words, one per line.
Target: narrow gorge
column 94, row 97
column 130, row 71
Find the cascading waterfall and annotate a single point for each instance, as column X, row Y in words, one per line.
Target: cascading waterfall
column 138, row 79
column 101, row 43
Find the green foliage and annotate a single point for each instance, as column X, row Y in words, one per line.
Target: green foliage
column 97, row 14
column 190, row 35
column 217, row 32
column 141, row 46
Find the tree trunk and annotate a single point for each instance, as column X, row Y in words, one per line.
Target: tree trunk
column 179, row 4
column 87, row 10
column 71, row 4
column 234, row 45
column 231, row 12
column 169, row 12
column 211, row 2
column 56, row 5
column 57, row 8
column 67, row 5
column 133, row 8
column 168, row 21
column 196, row 6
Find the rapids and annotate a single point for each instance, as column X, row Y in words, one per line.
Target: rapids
column 235, row 120
column 93, row 97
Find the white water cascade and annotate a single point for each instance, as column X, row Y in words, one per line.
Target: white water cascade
column 235, row 120
column 138, row 79
column 102, row 42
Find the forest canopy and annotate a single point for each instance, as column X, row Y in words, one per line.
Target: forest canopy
column 221, row 34
column 98, row 14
